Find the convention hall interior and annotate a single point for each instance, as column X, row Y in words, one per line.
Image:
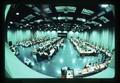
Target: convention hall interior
column 60, row 41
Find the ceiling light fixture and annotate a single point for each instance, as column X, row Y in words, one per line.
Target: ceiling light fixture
column 17, row 13
column 11, row 22
column 48, row 25
column 8, row 26
column 104, row 5
column 21, row 27
column 27, row 24
column 100, row 25
column 89, row 27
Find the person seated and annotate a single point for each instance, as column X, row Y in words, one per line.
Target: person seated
column 64, row 72
column 85, row 71
column 17, row 43
column 38, row 50
column 52, row 51
column 101, row 66
column 13, row 48
column 69, row 74
column 91, row 69
column 28, row 62
column 35, row 58
column 34, row 51
column 62, row 44
column 44, row 55
column 58, row 45
column 97, row 67
column 47, row 51
column 56, row 49
column 87, row 66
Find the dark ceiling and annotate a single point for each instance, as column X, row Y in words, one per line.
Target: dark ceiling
column 59, row 17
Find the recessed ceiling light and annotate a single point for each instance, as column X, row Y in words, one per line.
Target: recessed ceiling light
column 48, row 25
column 20, row 26
column 89, row 27
column 8, row 26
column 27, row 24
column 17, row 13
column 11, row 22
column 100, row 25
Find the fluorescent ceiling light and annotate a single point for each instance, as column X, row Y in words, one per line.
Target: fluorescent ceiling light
column 87, row 12
column 104, row 19
column 108, row 7
column 95, row 23
column 47, row 10
column 104, row 5
column 38, row 21
column 65, row 9
column 29, row 5
column 59, row 18
column 81, row 19
column 36, row 9
column 101, row 13
column 85, row 26
column 94, row 17
column 65, row 18
column 22, row 20
column 37, row 13
column 30, row 16
column 54, row 18
column 92, row 22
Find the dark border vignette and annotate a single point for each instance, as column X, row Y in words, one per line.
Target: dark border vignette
column 86, row 2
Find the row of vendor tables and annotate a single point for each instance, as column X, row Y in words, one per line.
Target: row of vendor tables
column 44, row 50
column 89, row 70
